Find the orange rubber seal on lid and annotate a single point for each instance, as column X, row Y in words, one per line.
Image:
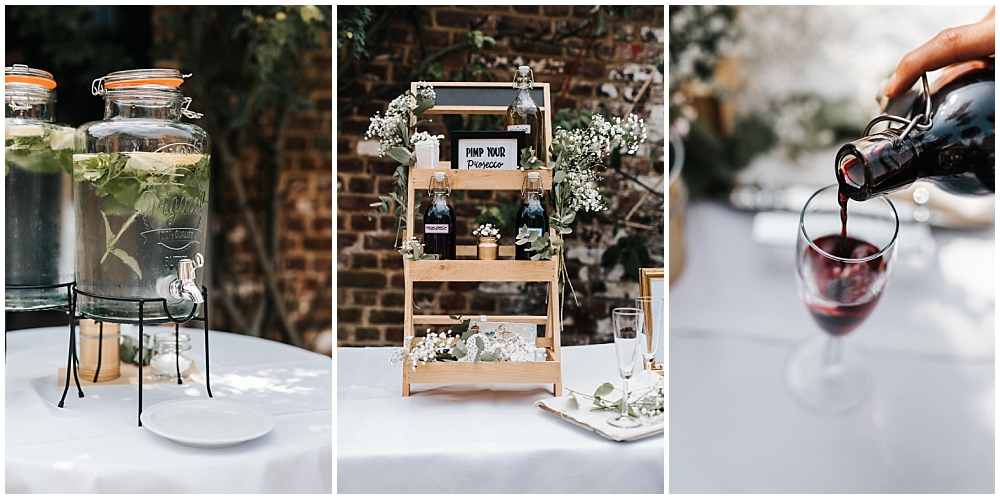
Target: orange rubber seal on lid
column 170, row 82
column 37, row 80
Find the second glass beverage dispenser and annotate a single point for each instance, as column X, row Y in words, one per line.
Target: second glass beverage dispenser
column 141, row 197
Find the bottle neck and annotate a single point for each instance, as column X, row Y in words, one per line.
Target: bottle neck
column 143, row 104
column 523, row 81
column 872, row 166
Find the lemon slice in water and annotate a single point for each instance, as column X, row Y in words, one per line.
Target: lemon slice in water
column 23, row 131
column 61, row 138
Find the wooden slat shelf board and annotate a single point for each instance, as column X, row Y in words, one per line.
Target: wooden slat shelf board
column 499, row 180
column 444, row 319
column 485, row 372
column 483, row 270
column 471, row 250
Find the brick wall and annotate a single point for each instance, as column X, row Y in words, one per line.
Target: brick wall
column 610, row 74
column 305, row 217
column 304, row 222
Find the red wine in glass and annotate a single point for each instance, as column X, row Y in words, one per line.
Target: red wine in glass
column 846, row 291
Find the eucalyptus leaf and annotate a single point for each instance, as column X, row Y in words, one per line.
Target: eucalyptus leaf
column 604, row 389
column 400, row 154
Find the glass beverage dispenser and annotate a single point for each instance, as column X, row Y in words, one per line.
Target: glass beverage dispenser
column 141, row 193
column 38, row 158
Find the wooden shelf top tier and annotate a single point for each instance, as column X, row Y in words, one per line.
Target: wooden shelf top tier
column 471, row 180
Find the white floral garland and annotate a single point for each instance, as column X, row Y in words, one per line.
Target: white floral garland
column 503, row 346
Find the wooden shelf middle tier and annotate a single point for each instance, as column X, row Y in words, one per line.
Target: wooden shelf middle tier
column 483, row 270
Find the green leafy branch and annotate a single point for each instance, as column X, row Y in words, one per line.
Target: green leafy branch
column 649, row 401
column 543, row 244
column 406, row 157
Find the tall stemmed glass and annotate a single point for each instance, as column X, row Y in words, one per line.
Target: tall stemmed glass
column 628, row 329
column 840, row 280
column 652, row 313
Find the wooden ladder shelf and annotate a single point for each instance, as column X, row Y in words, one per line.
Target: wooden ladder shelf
column 473, row 270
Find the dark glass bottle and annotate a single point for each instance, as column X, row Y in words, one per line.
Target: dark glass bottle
column 956, row 153
column 523, row 114
column 532, row 213
column 439, row 220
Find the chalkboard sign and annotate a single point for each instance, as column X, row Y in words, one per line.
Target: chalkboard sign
column 489, row 96
column 486, row 150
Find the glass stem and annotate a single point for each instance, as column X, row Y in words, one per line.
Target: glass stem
column 832, row 354
column 624, row 403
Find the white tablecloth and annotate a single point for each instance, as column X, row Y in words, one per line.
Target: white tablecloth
column 735, row 317
column 479, row 438
column 93, row 444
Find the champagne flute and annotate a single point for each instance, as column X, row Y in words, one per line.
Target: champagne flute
column 843, row 266
column 652, row 311
column 628, row 328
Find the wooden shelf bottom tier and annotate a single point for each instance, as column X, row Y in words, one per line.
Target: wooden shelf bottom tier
column 485, row 372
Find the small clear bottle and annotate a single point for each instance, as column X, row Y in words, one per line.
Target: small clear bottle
column 523, row 115
column 38, row 207
column 141, row 195
column 170, row 356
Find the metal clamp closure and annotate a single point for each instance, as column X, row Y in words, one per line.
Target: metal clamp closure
column 921, row 122
column 187, row 112
column 446, row 182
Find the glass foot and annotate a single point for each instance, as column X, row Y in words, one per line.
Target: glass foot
column 624, row 422
column 828, row 378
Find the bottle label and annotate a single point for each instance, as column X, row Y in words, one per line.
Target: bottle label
column 536, row 230
column 519, row 128
column 435, row 228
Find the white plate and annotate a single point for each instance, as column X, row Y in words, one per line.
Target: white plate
column 206, row 423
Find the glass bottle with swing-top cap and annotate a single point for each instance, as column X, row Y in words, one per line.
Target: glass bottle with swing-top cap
column 439, row 219
column 523, row 114
column 141, row 194
column 38, row 207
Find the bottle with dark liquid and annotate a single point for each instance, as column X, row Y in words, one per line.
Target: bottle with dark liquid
column 531, row 214
column 956, row 151
column 439, row 220
column 523, row 114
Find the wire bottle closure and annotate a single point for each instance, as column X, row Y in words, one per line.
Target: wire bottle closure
column 921, row 121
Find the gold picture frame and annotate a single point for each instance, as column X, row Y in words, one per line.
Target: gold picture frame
column 646, row 278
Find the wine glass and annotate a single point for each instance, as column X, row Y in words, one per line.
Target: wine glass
column 652, row 312
column 628, row 328
column 841, row 276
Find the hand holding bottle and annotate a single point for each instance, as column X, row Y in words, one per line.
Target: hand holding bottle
column 951, row 45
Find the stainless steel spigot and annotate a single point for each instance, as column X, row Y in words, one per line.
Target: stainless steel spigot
column 186, row 286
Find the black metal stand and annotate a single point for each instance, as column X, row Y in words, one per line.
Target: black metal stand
column 75, row 315
column 68, row 308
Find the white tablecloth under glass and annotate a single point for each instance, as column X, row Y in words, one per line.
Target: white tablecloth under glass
column 480, row 438
column 93, row 444
column 735, row 317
